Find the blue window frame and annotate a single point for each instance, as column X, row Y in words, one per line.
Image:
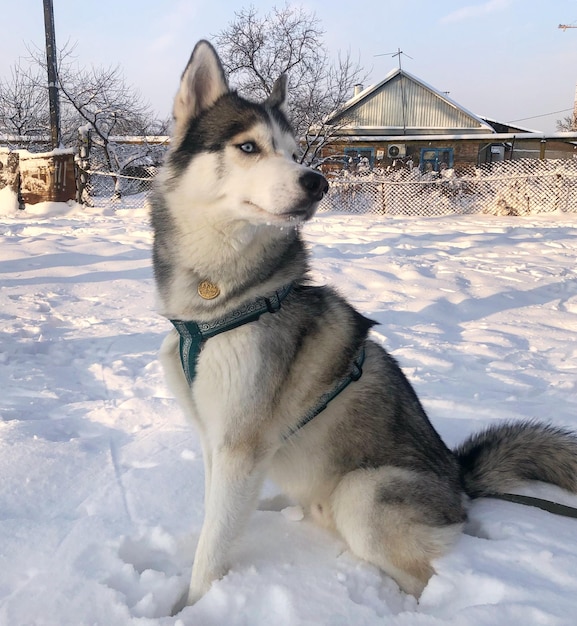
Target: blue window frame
column 436, row 159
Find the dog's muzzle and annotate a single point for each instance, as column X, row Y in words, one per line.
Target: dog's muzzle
column 314, row 184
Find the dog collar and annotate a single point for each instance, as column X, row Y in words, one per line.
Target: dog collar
column 194, row 334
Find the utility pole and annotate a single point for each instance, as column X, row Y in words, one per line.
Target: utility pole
column 575, row 111
column 52, row 73
column 564, row 27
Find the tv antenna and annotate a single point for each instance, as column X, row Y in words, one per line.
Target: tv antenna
column 399, row 53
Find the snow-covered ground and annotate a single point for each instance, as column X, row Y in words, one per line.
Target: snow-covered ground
column 101, row 477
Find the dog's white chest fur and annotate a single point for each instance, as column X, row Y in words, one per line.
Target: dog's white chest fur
column 225, row 383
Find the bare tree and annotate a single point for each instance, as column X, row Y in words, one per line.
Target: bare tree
column 569, row 122
column 255, row 50
column 100, row 99
column 315, row 107
column 23, row 106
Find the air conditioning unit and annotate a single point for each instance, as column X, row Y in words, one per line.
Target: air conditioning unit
column 396, row 150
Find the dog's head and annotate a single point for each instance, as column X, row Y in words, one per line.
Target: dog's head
column 236, row 158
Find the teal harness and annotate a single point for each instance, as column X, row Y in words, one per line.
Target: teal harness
column 193, row 335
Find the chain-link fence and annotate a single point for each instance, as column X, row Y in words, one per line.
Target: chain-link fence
column 520, row 187
column 118, row 190
column 137, row 158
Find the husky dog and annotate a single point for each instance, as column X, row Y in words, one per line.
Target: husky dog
column 280, row 376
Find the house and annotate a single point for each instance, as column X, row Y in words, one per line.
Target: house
column 404, row 119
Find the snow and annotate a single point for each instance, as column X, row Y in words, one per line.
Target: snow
column 101, row 491
column 8, row 201
column 26, row 154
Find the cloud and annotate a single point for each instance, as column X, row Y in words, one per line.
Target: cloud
column 476, row 10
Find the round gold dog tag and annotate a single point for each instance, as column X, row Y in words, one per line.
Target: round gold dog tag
column 208, row 290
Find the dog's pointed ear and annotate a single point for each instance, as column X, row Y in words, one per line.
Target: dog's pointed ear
column 278, row 95
column 202, row 83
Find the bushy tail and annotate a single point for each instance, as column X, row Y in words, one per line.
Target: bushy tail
column 501, row 457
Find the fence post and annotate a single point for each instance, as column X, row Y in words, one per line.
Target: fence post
column 542, row 149
column 84, row 145
column 559, row 186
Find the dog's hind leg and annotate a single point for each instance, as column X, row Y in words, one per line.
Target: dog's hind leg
column 397, row 519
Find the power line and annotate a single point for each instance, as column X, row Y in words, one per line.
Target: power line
column 542, row 115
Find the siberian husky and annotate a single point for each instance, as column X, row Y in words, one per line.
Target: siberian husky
column 280, row 376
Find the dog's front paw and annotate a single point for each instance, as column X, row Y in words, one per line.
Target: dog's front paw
column 188, row 598
column 180, row 604
column 194, row 595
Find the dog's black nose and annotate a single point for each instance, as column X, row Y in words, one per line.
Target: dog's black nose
column 314, row 184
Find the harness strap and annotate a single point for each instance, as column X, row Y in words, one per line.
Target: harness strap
column 190, row 343
column 545, row 505
column 194, row 334
column 355, row 373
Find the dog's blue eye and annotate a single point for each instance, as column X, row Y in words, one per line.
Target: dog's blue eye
column 249, row 147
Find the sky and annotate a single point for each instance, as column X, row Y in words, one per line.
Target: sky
column 503, row 59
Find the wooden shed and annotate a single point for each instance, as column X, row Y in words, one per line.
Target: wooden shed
column 47, row 176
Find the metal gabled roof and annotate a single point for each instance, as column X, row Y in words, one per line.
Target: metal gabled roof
column 404, row 104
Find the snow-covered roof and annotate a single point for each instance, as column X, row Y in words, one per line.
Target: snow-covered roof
column 512, row 127
column 568, row 137
column 405, row 104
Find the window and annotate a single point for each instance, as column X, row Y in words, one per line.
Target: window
column 436, row 159
column 359, row 159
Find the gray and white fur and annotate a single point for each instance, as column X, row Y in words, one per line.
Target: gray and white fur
column 370, row 468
